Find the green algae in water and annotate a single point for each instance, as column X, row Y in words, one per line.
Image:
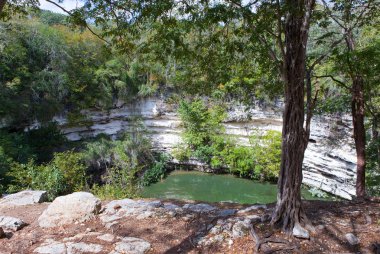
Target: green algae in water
column 192, row 185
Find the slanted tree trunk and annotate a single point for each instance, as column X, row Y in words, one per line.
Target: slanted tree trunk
column 357, row 107
column 289, row 211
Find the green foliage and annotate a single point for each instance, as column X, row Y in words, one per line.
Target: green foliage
column 64, row 174
column 124, row 164
column 156, row 171
column 373, row 167
column 315, row 192
column 204, row 140
column 202, row 128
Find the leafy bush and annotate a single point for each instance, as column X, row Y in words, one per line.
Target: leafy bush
column 119, row 184
column 205, row 140
column 267, row 154
column 203, row 127
column 64, row 174
column 123, row 163
column 373, row 167
column 157, row 171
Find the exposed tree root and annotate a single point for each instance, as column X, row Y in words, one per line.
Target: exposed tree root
column 268, row 239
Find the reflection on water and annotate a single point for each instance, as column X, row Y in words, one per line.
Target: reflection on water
column 192, row 185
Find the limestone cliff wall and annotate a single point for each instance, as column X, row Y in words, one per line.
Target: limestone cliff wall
column 329, row 162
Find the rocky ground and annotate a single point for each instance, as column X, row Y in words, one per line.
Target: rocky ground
column 80, row 223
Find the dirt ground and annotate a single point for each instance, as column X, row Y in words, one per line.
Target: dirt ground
column 332, row 220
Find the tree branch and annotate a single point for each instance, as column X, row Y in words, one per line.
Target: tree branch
column 335, row 80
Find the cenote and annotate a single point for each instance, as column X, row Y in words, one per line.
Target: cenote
column 193, row 185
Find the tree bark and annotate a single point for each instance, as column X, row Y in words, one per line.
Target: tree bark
column 289, row 209
column 357, row 105
column 357, row 108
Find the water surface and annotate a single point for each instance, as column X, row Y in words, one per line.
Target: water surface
column 193, row 185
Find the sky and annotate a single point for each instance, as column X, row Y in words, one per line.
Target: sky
column 67, row 4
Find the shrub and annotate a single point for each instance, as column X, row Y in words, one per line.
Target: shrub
column 63, row 175
column 202, row 130
column 119, row 184
column 205, row 140
column 157, row 171
column 267, row 154
column 125, row 163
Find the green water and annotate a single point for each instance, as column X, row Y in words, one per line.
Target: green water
column 192, row 185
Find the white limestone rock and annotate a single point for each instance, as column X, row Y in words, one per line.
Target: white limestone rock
column 199, row 208
column 75, row 207
column 11, row 223
column 131, row 245
column 352, row 239
column 51, row 246
column 79, row 248
column 106, row 237
column 27, row 197
column 300, row 232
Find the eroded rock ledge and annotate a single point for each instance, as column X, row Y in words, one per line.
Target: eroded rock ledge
column 329, row 163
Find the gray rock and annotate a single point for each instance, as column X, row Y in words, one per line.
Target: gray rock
column 154, row 204
column 106, row 237
column 240, row 229
column 300, row 232
column 51, row 246
column 27, row 197
column 11, row 223
column 75, row 207
column 79, row 248
column 131, row 245
column 252, row 208
column 170, row 206
column 199, row 208
column 226, row 212
column 352, row 239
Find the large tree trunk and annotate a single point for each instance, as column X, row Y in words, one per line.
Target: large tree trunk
column 359, row 133
column 289, row 211
column 357, row 107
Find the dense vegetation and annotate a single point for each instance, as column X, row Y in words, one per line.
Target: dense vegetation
column 205, row 140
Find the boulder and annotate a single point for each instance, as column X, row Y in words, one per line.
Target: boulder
column 352, row 239
column 131, row 245
column 11, row 223
column 300, row 232
column 75, row 207
column 27, row 197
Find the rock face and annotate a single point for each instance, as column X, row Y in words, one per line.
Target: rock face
column 10, row 223
column 27, row 197
column 329, row 164
column 75, row 207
